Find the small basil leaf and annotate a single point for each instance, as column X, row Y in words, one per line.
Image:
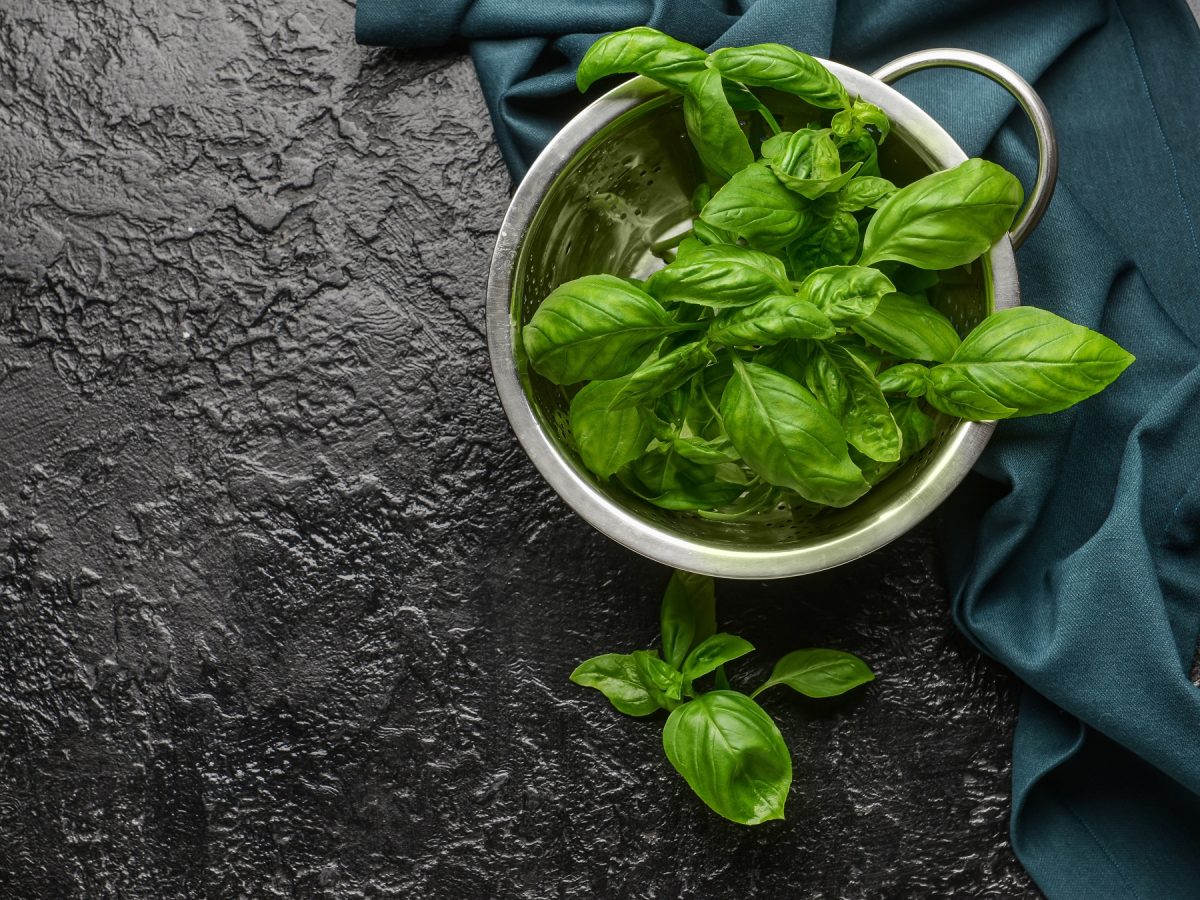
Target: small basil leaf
column 861, row 149
column 784, row 69
column 707, row 452
column 870, row 357
column 911, row 379
column 713, row 126
column 1028, row 361
column 807, row 162
column 819, row 673
column 701, row 195
column 846, row 293
column 849, row 123
column 598, row 326
column 787, row 437
column 663, row 682
column 770, row 321
column 641, row 51
column 732, row 755
column 866, row 418
column 755, row 205
column 917, row 427
column 759, row 498
column 689, row 615
column 716, row 650
column 834, row 243
column 616, row 676
column 669, row 480
column 864, row 191
column 909, row 327
column 607, row 440
column 946, row 219
column 720, row 275
column 659, row 376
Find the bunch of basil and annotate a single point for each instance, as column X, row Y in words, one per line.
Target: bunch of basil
column 789, row 353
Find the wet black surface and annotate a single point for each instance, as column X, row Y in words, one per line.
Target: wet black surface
column 284, row 611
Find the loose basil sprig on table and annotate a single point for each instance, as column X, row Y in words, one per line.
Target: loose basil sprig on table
column 789, row 354
column 721, row 741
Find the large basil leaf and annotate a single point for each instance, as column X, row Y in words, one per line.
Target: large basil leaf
column 659, row 376
column 864, row 191
column 1027, row 361
column 641, row 51
column 833, row 243
column 909, row 327
column 756, row 206
column 866, row 418
column 945, row 219
column 716, row 650
column 787, row 437
column 720, row 275
column 607, row 439
column 732, row 755
column 782, row 68
column 713, row 126
column 846, row 293
column 807, row 162
column 770, row 321
column 598, row 326
column 616, row 676
column 666, row 478
column 688, row 616
column 818, row 673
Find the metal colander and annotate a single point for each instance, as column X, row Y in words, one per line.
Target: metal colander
column 615, row 182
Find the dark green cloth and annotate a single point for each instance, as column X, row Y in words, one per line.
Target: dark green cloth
column 1074, row 553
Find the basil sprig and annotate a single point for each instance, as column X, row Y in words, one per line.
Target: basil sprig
column 721, row 741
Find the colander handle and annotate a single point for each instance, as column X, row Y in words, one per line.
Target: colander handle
column 1047, row 144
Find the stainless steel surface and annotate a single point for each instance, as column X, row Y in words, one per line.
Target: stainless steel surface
column 1026, row 96
column 615, row 181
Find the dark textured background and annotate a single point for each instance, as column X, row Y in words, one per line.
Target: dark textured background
column 284, row 611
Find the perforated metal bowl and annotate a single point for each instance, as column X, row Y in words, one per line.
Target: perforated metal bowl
column 614, row 182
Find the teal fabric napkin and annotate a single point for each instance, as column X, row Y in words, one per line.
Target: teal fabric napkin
column 1074, row 553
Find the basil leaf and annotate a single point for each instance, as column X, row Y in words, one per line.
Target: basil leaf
column 598, row 326
column 701, row 195
column 659, row 376
column 669, row 480
column 864, row 191
column 846, row 293
column 641, row 51
column 709, row 235
column 1027, row 361
column 818, row 673
column 824, row 378
column 784, row 69
column 770, row 321
column 909, row 327
column 607, row 439
column 917, row 427
column 787, row 437
column 761, row 497
column 911, row 379
column 716, row 650
column 732, row 755
column 860, row 149
column 835, row 243
column 707, row 452
column 790, row 358
column 866, row 418
column 849, row 123
column 720, row 275
column 713, row 126
column 755, row 205
column 616, row 676
column 704, row 399
column 945, row 219
column 689, row 615
column 870, row 357
column 807, row 162
column 663, row 683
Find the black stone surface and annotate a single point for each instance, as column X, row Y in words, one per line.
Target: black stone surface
column 284, row 610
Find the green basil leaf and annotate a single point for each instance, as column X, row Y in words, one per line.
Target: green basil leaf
column 945, row 219
column 787, row 437
column 702, row 451
column 864, row 191
column 791, row 358
column 850, row 123
column 834, row 243
column 663, row 682
column 911, row 379
column 917, row 427
column 607, row 440
column 641, row 51
column 689, row 615
column 861, row 148
column 824, row 378
column 1028, row 361
column 846, row 293
column 720, row 275
column 870, row 357
column 716, row 650
column 755, row 205
column 701, row 195
column 866, row 417
column 909, row 327
column 659, row 376
column 818, row 673
column 807, row 162
column 770, row 321
column 732, row 755
column 669, row 480
column 704, row 400
column 616, row 676
column 595, row 327
column 707, row 234
column 713, row 126
column 784, row 69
